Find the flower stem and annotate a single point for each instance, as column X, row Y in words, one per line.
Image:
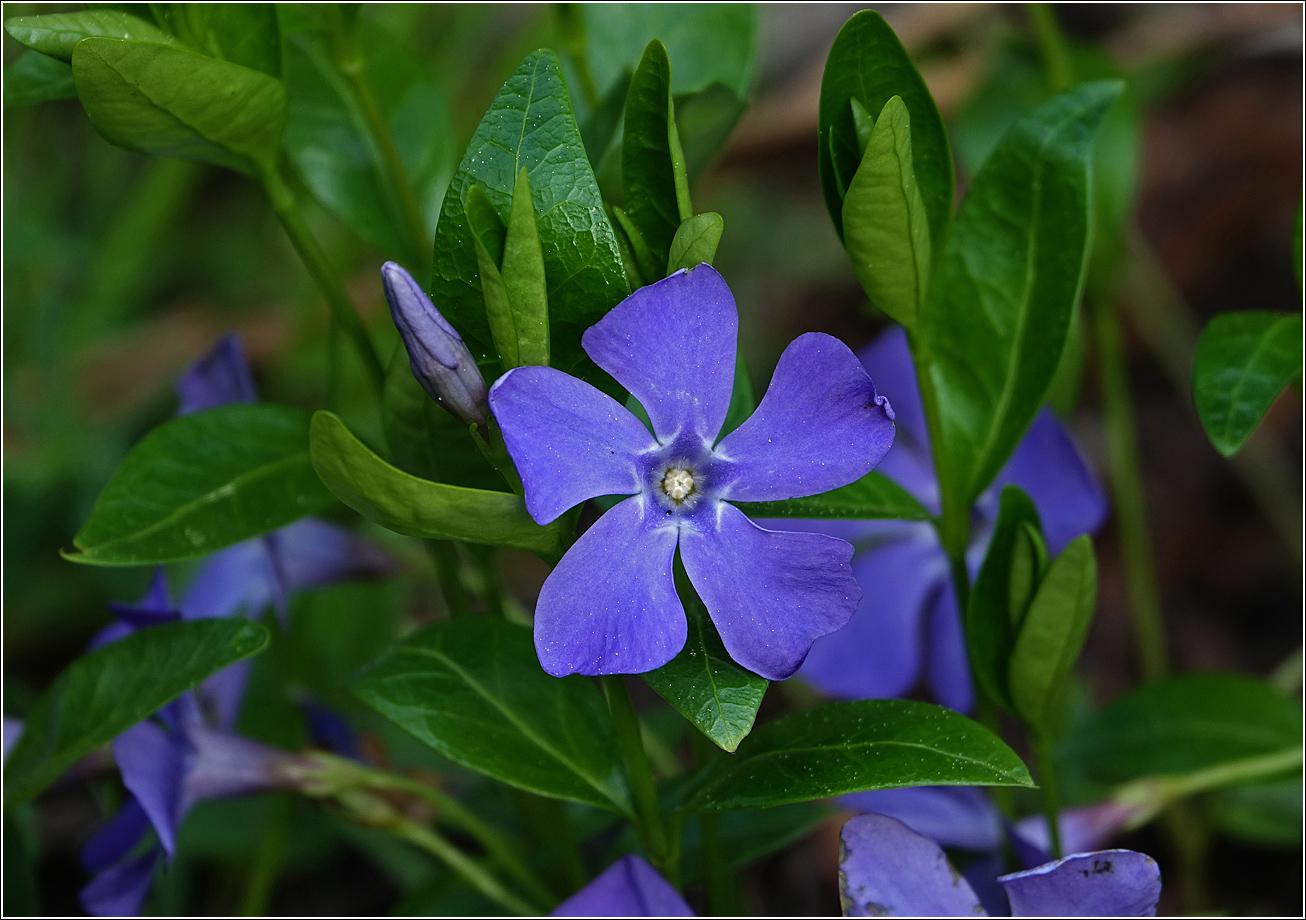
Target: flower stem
column 648, row 811
column 722, row 886
column 445, row 557
column 267, row 859
column 1047, row 779
column 1052, row 46
column 342, row 311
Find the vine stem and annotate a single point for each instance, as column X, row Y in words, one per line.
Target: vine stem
column 1047, row 778
column 648, row 811
column 268, row 857
column 342, row 311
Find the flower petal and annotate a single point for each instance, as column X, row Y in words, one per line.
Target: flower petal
column 672, row 345
column 948, row 668
column 312, row 552
column 952, row 816
column 888, row 361
column 222, row 694
column 770, row 594
column 240, row 577
column 610, row 605
column 569, row 441
column 1082, row 829
column 878, row 654
column 982, row 876
column 1048, row 466
column 229, row 765
column 629, row 887
column 121, row 890
column 1107, row 883
column 220, row 377
column 887, row 869
column 117, row 838
column 819, row 426
column 154, row 766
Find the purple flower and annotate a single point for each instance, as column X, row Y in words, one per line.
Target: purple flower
column 888, row 869
column 440, row 361
column 629, row 887
column 911, row 626
column 610, row 605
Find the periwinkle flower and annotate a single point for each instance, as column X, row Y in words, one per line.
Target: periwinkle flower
column 630, row 887
column 440, row 361
column 888, row 869
column 610, row 605
column 910, row 627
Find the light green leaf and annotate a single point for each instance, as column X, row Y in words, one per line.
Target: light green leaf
column 695, row 241
column 524, row 280
column 56, row 34
column 247, row 34
column 874, row 496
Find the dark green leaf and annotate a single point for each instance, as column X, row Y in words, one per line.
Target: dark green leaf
column 164, row 101
column 405, row 504
column 530, row 124
column 35, row 78
column 869, row 64
column 747, row 836
column 1183, row 724
column 600, row 128
column 1052, row 635
column 636, row 254
column 242, row 33
column 56, row 34
column 472, row 689
column 874, row 496
column 853, row 747
column 201, row 482
column 1265, row 813
column 110, row 689
column 695, row 241
column 1006, row 285
column 884, row 223
column 704, row 121
column 990, row 626
column 704, row 684
column 1243, row 361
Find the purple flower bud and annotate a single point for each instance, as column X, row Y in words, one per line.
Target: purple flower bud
column 440, row 360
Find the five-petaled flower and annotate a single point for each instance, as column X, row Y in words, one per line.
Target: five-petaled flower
column 630, row 887
column 610, row 606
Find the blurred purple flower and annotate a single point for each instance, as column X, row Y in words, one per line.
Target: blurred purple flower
column 888, row 869
column 610, row 605
column 629, row 887
column 911, row 626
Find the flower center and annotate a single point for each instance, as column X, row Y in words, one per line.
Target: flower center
column 678, row 484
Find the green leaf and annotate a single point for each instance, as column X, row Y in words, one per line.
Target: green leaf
column 747, row 836
column 1005, row 287
column 869, row 64
column 1052, row 636
column 108, row 690
column 1264, row 813
column 530, row 124
column 695, row 241
column 991, row 625
column 641, row 264
column 523, row 278
column 704, row 684
column 472, row 689
column 1183, row 724
column 743, row 399
column 1243, row 361
column 853, row 747
column 35, row 78
column 654, row 187
column 56, row 34
column 405, row 504
column 704, row 121
column 201, row 482
column 243, row 33
column 329, row 141
column 884, row 223
column 874, row 496
column 164, row 101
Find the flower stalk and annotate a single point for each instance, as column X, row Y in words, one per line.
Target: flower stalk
column 648, row 810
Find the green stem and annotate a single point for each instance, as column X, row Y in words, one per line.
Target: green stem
column 648, row 811
column 1052, row 45
column 342, row 311
column 267, row 860
column 1127, row 491
column 471, row 871
column 492, row 593
column 445, row 557
column 1047, row 777
column 722, row 885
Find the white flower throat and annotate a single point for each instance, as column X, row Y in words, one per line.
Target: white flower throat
column 679, row 484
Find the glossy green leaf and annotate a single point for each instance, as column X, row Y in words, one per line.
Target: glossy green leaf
column 853, row 747
column 874, row 496
column 1182, row 724
column 109, row 689
column 695, row 241
column 1005, row 287
column 1052, row 636
column 56, row 34
column 1244, row 360
column 704, row 684
column 530, row 124
column 524, row 280
column 869, row 64
column 885, row 226
column 405, row 504
column 472, row 689
column 164, row 101
column 329, row 141
column 990, row 625
column 203, row 481
column 242, row 33
column 35, row 78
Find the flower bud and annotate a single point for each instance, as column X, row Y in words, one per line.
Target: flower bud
column 440, row 361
